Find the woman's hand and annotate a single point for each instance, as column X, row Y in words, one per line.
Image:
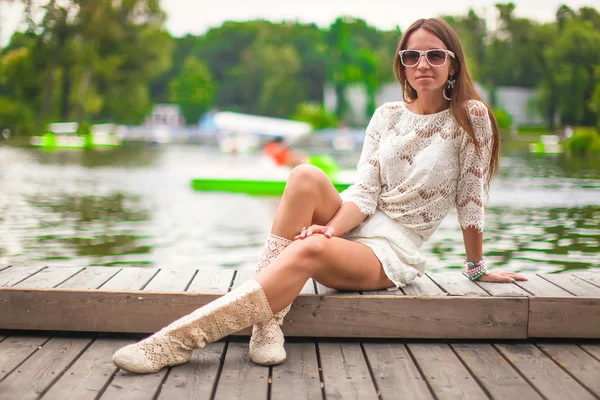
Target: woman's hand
column 501, row 277
column 328, row 231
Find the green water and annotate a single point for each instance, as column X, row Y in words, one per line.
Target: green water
column 133, row 206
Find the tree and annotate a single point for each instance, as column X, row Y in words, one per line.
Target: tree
column 193, row 90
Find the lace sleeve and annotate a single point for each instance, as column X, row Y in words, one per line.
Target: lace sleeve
column 365, row 190
column 474, row 163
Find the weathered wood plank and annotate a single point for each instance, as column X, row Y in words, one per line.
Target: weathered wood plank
column 345, row 372
column 90, row 373
column 298, row 377
column 311, row 315
column 493, row 372
column 168, row 280
column 134, row 386
column 130, row 279
column 89, row 278
column 17, row 348
column 574, row 317
column 423, row 286
column 14, row 275
column 195, row 379
column 548, row 378
column 445, row 373
column 502, row 289
column 455, row 284
column 35, row 375
column 538, row 286
column 240, row 377
column 383, row 292
column 325, row 291
column 212, row 280
column 394, row 371
column 3, row 267
column 585, row 368
column 589, row 277
column 592, row 349
column 573, row 284
column 241, row 276
column 309, row 287
column 48, row 277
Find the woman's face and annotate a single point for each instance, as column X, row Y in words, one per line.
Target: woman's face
column 423, row 77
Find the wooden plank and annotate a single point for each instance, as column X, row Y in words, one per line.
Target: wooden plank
column 547, row 377
column 573, row 284
column 36, row 374
column 240, row 377
column 503, row 289
column 130, row 279
column 133, row 386
column 298, row 377
column 394, row 371
column 14, row 275
column 195, row 379
column 585, row 368
column 89, row 278
column 592, row 349
column 212, row 280
column 3, row 267
column 241, row 276
column 48, row 277
column 345, row 372
column 446, row 375
column 568, row 317
column 455, row 284
column 493, row 372
column 311, row 315
column 169, row 280
column 423, row 286
column 130, row 386
column 324, row 290
column 17, row 348
column 538, row 286
column 589, row 277
column 383, row 292
column 90, row 373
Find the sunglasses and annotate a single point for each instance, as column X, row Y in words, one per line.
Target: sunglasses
column 434, row 57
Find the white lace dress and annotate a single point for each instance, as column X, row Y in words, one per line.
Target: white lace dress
column 412, row 171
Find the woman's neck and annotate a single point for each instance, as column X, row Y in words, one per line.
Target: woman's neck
column 429, row 104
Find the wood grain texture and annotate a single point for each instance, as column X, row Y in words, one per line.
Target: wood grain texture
column 561, row 317
column 395, row 372
column 48, row 277
column 13, row 275
column 298, row 377
column 89, row 278
column 130, row 279
column 538, row 286
column 17, row 348
column 240, row 377
column 549, row 379
column 345, row 372
column 573, row 284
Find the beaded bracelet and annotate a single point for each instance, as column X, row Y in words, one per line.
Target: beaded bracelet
column 476, row 269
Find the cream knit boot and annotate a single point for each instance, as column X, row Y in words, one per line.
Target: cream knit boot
column 266, row 343
column 173, row 344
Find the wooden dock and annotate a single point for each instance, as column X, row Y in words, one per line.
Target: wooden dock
column 77, row 366
column 436, row 306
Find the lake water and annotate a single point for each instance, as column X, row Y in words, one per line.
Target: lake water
column 133, row 206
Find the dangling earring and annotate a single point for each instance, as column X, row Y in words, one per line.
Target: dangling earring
column 449, row 86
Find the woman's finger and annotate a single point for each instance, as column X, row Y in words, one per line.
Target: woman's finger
column 329, row 231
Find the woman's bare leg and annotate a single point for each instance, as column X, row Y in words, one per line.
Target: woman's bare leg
column 334, row 262
column 309, row 198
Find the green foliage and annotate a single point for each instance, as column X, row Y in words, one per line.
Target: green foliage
column 504, row 119
column 316, row 115
column 16, row 117
column 584, row 140
column 193, row 90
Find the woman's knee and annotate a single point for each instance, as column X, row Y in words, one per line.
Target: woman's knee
column 306, row 179
column 309, row 253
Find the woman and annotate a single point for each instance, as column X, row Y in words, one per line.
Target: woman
column 436, row 150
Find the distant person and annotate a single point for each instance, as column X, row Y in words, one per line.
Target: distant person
column 283, row 155
column 435, row 151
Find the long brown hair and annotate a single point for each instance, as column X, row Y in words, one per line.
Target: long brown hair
column 464, row 88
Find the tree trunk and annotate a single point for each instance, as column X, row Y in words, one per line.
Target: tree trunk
column 83, row 88
column 65, row 105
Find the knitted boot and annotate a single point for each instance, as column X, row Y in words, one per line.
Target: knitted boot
column 266, row 343
column 173, row 344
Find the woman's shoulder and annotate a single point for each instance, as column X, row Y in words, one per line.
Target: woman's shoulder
column 476, row 108
column 390, row 109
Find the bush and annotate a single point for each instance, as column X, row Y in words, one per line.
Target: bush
column 316, row 115
column 584, row 140
column 503, row 118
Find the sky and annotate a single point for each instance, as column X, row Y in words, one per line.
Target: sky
column 197, row 16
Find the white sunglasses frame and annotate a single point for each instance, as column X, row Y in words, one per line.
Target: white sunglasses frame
column 424, row 53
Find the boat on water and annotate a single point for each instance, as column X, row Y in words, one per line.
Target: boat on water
column 69, row 135
column 548, row 144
